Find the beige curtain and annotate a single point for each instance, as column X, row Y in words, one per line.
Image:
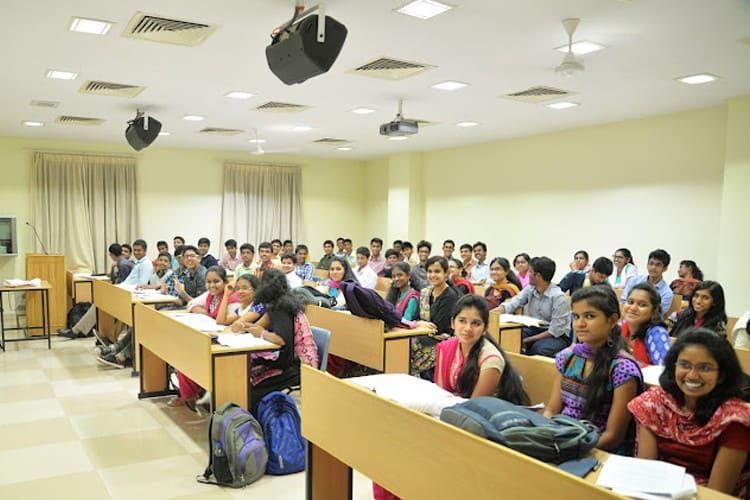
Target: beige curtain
column 261, row 202
column 82, row 203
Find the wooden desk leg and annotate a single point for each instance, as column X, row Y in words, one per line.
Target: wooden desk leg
column 397, row 354
column 493, row 329
column 231, row 376
column 327, row 478
column 153, row 374
column 510, row 340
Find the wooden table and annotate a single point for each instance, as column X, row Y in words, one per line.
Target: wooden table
column 507, row 335
column 81, row 287
column 119, row 303
column 417, row 456
column 163, row 341
column 43, row 288
column 365, row 341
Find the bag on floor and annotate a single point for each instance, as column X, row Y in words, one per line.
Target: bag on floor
column 280, row 420
column 237, row 453
column 75, row 314
column 555, row 439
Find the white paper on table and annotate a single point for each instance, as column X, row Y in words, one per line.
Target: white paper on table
column 638, row 475
column 15, row 282
column 199, row 322
column 520, row 318
column 689, row 492
column 651, row 374
column 242, row 340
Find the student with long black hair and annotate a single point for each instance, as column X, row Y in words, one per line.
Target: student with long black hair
column 505, row 283
column 696, row 417
column 643, row 329
column 471, row 364
column 597, row 376
column 404, row 292
column 706, row 310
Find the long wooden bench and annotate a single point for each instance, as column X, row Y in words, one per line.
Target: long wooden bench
column 365, row 341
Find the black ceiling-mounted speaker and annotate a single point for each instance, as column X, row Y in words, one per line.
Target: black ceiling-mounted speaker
column 139, row 134
column 296, row 55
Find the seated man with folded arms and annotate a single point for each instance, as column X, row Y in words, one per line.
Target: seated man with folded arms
column 449, row 246
column 247, row 264
column 143, row 268
column 468, row 260
column 287, row 267
column 349, row 254
column 275, row 251
column 480, row 273
column 546, row 302
column 325, row 261
column 207, row 260
column 658, row 263
column 377, row 261
column 305, row 270
column 265, row 251
column 231, row 259
column 193, row 278
column 364, row 273
column 598, row 275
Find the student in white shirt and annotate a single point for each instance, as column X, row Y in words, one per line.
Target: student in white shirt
column 287, row 267
column 364, row 273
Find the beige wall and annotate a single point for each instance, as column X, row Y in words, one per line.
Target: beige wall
column 180, row 192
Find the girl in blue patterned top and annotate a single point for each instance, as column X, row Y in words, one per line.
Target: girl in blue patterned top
column 597, row 376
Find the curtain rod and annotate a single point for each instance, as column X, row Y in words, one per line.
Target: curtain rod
column 259, row 164
column 81, row 153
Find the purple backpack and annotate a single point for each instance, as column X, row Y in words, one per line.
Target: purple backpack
column 367, row 303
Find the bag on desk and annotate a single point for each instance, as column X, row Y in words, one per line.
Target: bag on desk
column 310, row 295
column 282, row 428
column 237, row 453
column 555, row 439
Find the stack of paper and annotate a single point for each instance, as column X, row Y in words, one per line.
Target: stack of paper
column 242, row 340
column 199, row 322
column 520, row 318
column 651, row 374
column 14, row 282
column 646, row 479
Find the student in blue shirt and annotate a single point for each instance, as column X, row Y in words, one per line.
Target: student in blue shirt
column 658, row 263
column 143, row 268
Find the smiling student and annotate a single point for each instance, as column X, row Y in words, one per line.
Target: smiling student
column 265, row 251
column 231, row 259
column 505, row 284
column 207, row 260
column 404, row 293
column 305, row 270
column 325, row 260
column 521, row 263
column 643, row 330
column 597, row 377
column 658, row 263
column 287, row 267
column 695, row 418
column 364, row 273
column 706, row 310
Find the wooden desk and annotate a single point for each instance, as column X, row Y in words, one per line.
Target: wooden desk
column 417, row 456
column 365, row 341
column 81, row 287
column 321, row 273
column 162, row 340
column 119, row 303
column 507, row 335
column 43, row 290
column 744, row 356
column 538, row 373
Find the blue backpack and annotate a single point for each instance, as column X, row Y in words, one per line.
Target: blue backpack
column 280, row 420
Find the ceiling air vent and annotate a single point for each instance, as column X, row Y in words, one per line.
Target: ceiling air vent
column 111, row 89
column 162, row 29
column 78, row 120
column 535, row 95
column 391, row 69
column 330, row 140
column 281, row 107
column 45, row 104
column 220, row 131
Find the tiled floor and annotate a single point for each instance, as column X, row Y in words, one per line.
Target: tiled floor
column 70, row 428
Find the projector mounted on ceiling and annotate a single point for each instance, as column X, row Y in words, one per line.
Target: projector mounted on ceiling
column 142, row 130
column 306, row 46
column 399, row 125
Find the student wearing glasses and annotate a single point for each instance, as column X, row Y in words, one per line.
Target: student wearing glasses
column 193, row 278
column 624, row 268
column 696, row 418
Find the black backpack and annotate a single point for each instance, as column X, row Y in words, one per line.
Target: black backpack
column 76, row 313
column 310, row 295
column 368, row 303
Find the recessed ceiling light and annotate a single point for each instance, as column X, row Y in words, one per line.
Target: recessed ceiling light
column 398, row 138
column 239, row 94
column 91, row 26
column 581, row 48
column 424, row 9
column 165, row 133
column 562, row 105
column 449, row 85
column 697, row 79
column 302, row 128
column 193, row 118
column 30, row 123
column 344, row 148
column 61, row 75
column 466, row 124
column 257, row 141
column 362, row 111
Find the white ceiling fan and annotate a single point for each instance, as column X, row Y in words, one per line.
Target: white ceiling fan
column 258, row 149
column 570, row 65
